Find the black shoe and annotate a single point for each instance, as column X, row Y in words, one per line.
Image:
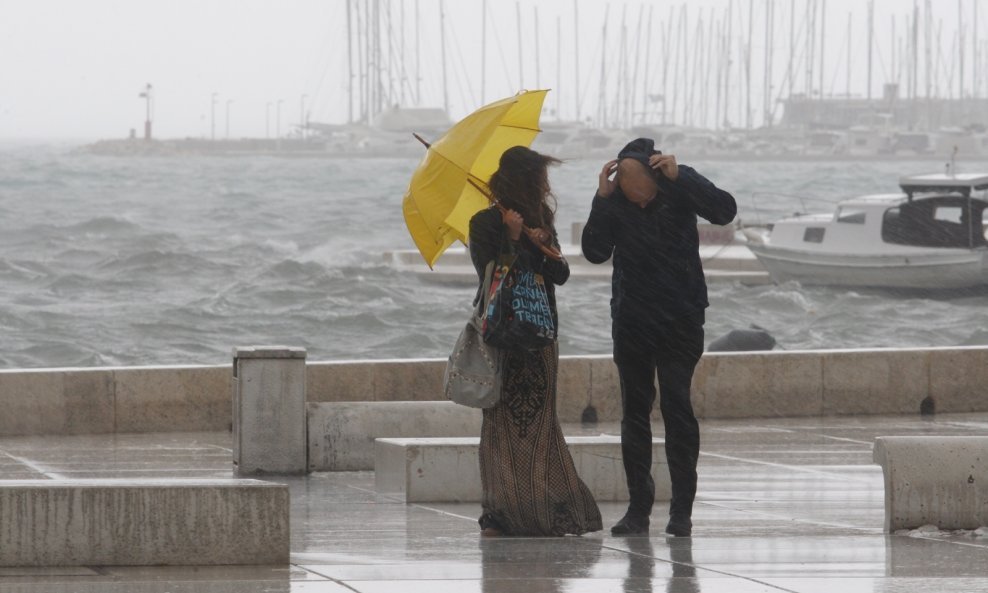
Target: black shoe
column 679, row 526
column 631, row 525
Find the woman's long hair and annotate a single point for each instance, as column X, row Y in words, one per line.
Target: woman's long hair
column 521, row 183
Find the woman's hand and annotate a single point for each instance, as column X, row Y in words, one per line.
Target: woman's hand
column 515, row 224
column 539, row 236
column 665, row 163
column 606, row 185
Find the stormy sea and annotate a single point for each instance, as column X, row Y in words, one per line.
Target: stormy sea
column 175, row 260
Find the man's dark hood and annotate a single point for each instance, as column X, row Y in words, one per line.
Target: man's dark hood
column 639, row 149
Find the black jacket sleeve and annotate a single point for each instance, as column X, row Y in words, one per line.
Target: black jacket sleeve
column 703, row 197
column 554, row 271
column 598, row 233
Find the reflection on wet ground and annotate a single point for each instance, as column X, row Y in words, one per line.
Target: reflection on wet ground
column 784, row 505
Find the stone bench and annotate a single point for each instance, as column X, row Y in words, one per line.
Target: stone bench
column 448, row 469
column 341, row 434
column 938, row 480
column 142, row 522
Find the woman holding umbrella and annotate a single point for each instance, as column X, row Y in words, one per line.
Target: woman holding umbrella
column 530, row 485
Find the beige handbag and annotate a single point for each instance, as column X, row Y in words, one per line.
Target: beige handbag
column 473, row 371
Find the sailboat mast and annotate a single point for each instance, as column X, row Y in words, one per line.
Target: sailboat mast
column 698, row 95
column 538, row 65
column 767, row 100
column 576, row 57
column 647, row 73
column 719, row 44
column 679, row 64
column 810, row 42
column 847, row 72
column 667, row 50
column 483, row 53
column 418, row 71
column 521, row 62
column 960, row 49
column 823, row 43
column 602, row 96
column 403, row 75
column 622, row 61
column 928, row 54
column 349, row 62
column 365, row 96
column 389, row 31
column 792, row 46
column 378, row 61
column 747, row 62
column 727, row 67
column 915, row 64
column 442, row 44
column 710, row 71
column 559, row 62
column 974, row 47
column 633, row 91
column 871, row 42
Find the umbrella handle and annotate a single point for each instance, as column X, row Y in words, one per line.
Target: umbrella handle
column 548, row 250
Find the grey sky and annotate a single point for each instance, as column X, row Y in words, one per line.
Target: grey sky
column 73, row 69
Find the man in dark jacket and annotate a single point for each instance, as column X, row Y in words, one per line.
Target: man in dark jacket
column 646, row 218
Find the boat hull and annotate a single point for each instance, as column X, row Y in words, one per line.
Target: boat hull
column 951, row 269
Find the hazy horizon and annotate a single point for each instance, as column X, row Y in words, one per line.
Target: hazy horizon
column 72, row 71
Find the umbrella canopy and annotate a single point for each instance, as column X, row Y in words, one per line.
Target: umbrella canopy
column 450, row 184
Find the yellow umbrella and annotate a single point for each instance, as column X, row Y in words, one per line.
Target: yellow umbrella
column 450, row 184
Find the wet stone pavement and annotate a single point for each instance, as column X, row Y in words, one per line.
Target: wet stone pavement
column 783, row 505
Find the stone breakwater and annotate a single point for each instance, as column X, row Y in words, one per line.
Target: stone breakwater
column 726, row 385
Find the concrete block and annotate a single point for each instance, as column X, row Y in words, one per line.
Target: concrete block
column 381, row 380
column 143, row 522
column 938, row 480
column 409, row 380
column 874, row 382
column 448, row 469
column 698, row 397
column 269, row 410
column 172, row 399
column 341, row 434
column 340, row 381
column 90, row 402
column 959, row 379
column 605, row 388
column 56, row 402
column 734, row 385
column 572, row 388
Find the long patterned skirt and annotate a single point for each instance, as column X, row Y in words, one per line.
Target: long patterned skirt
column 529, row 481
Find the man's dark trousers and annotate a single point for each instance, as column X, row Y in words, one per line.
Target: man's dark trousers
column 671, row 349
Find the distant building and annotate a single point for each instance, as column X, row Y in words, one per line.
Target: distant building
column 890, row 110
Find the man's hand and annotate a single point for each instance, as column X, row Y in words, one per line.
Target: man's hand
column 606, row 185
column 665, row 163
column 515, row 224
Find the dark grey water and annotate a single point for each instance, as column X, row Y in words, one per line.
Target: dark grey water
column 175, row 260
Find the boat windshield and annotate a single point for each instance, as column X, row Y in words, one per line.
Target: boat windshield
column 939, row 221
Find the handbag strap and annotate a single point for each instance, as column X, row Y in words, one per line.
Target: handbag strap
column 483, row 301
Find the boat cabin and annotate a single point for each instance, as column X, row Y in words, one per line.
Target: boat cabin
column 934, row 211
column 944, row 214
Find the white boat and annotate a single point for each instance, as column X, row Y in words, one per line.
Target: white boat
column 930, row 236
